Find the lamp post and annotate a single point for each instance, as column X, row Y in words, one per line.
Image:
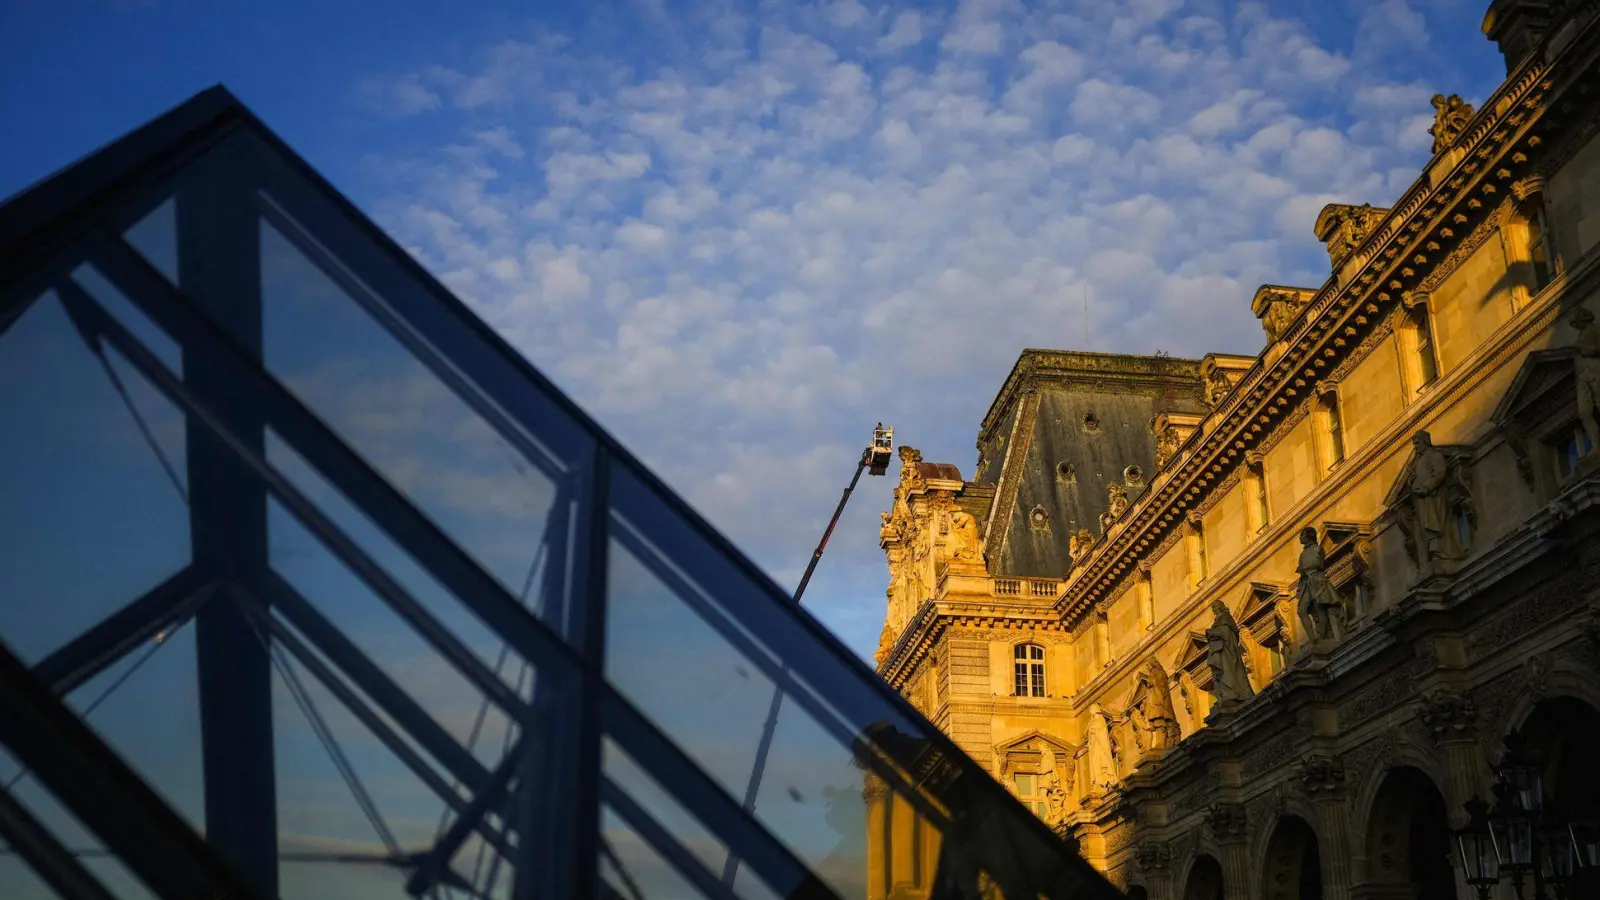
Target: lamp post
column 1476, row 849
column 1520, row 838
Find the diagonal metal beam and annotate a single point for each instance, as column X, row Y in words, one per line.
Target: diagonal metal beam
column 108, row 797
column 162, row 607
column 709, row 802
column 410, row 529
column 52, row 862
column 433, row 865
column 640, row 820
column 346, row 550
column 372, row 681
column 380, row 729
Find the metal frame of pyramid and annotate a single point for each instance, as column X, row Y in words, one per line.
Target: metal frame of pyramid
column 539, row 806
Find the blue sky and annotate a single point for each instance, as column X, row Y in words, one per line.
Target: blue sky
column 741, row 233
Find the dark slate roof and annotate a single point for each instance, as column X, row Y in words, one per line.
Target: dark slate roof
column 1123, row 394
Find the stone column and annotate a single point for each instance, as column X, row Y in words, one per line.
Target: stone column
column 1452, row 722
column 1229, row 828
column 876, row 795
column 1323, row 780
column 1155, row 864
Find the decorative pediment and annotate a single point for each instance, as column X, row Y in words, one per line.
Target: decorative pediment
column 1191, row 660
column 1348, row 546
column 1035, row 753
column 1278, row 306
column 1260, row 613
column 1542, row 391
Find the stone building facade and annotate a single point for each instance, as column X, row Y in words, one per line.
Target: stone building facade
column 1255, row 627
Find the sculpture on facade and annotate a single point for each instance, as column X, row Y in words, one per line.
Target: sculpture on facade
column 1451, row 115
column 1230, row 683
column 1116, row 505
column 1078, row 544
column 1167, row 444
column 1321, row 608
column 1053, row 788
column 1217, row 386
column 1437, row 493
column 964, row 542
column 1102, row 758
column 1152, row 722
column 1587, row 364
column 886, row 639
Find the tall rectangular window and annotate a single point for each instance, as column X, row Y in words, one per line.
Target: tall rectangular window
column 1263, row 508
column 1539, row 254
column 1335, row 427
column 1028, row 793
column 1427, row 356
column 1029, row 670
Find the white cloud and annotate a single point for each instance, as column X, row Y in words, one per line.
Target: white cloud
column 741, row 248
column 906, row 32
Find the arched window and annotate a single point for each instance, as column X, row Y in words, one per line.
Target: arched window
column 1029, row 668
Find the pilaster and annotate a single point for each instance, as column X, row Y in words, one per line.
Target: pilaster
column 1232, row 834
column 1323, row 779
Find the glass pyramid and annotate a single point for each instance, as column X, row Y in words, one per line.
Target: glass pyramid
column 317, row 589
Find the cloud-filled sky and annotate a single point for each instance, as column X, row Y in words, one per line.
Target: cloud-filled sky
column 739, row 234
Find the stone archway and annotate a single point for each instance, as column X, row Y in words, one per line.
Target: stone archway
column 1293, row 865
column 1561, row 734
column 1408, row 840
column 1205, row 879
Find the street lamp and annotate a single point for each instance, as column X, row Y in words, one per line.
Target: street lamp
column 1479, row 854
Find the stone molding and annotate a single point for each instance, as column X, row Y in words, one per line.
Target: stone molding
column 1252, row 399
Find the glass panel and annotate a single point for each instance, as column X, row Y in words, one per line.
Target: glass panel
column 637, row 866
column 367, row 386
column 131, row 316
column 690, row 641
column 156, row 238
column 363, row 616
column 16, row 877
column 147, row 708
column 91, row 520
column 318, row 809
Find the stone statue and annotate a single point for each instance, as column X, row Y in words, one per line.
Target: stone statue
column 1078, row 543
column 1102, row 760
column 1155, row 725
column 1588, row 374
column 1430, row 502
column 1451, row 115
column 1053, row 788
column 1321, row 607
column 964, row 542
column 885, row 644
column 1217, row 387
column 1116, row 498
column 1167, row 444
column 1230, row 683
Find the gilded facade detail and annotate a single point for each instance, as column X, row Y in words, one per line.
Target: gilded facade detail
column 1308, row 589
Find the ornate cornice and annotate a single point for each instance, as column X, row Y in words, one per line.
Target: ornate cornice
column 1496, row 149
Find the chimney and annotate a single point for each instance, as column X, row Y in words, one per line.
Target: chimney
column 1518, row 26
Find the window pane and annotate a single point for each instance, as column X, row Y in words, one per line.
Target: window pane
column 1025, row 786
